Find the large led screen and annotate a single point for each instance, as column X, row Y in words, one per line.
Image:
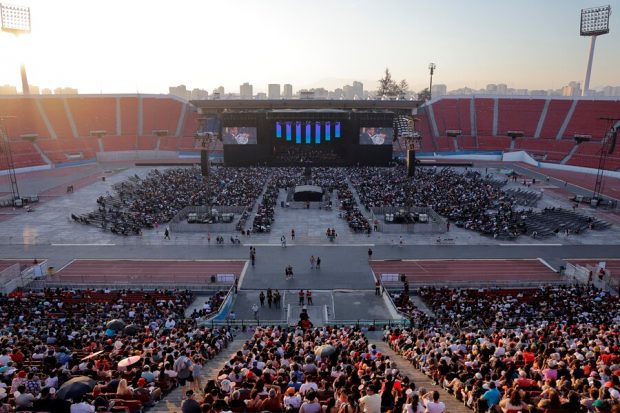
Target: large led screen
column 239, row 135
column 370, row 135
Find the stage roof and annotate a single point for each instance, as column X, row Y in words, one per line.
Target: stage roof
column 301, row 104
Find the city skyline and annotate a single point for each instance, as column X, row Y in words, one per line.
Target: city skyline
column 116, row 48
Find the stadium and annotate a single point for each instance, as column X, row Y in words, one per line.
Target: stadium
column 426, row 254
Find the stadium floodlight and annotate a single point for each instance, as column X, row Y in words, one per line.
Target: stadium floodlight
column 15, row 19
column 431, row 67
column 594, row 22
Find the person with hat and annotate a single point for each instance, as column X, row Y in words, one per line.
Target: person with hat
column 190, row 405
column 291, row 401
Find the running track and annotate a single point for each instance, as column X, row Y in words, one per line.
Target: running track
column 4, row 264
column 438, row 271
column 612, row 265
column 146, row 271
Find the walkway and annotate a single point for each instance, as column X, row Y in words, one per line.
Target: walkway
column 172, row 402
column 419, row 378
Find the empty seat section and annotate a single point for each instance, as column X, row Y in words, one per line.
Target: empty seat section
column 57, row 116
column 553, row 150
column 467, row 143
column 423, row 127
column 161, row 114
column 148, row 143
column 129, row 116
column 519, row 115
column 24, row 155
column 494, row 143
column 484, row 116
column 556, row 113
column 586, row 118
column 93, row 113
column 453, row 114
column 190, row 125
column 22, row 118
column 119, row 143
column 168, row 143
column 63, row 150
column 445, row 143
column 187, row 143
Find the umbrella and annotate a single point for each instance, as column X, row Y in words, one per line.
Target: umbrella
column 325, row 350
column 115, row 324
column 76, row 387
column 128, row 361
column 92, row 355
column 132, row 329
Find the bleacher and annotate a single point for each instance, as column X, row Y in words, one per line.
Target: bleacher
column 556, row 113
column 467, row 142
column 119, row 143
column 484, row 116
column 22, row 118
column 161, row 114
column 24, row 155
column 129, row 115
column 494, row 143
column 549, row 149
column 585, row 119
column 453, row 114
column 57, row 115
column 62, row 150
column 519, row 115
column 93, row 114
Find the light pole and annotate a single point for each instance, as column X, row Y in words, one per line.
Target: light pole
column 594, row 22
column 431, row 67
column 16, row 20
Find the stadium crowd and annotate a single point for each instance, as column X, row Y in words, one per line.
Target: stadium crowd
column 464, row 198
column 50, row 339
column 552, row 349
column 313, row 370
column 146, row 203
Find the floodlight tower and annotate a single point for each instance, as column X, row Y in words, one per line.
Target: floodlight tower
column 431, row 67
column 16, row 20
column 594, row 22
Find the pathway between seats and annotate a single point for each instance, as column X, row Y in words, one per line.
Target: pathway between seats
column 419, row 378
column 173, row 401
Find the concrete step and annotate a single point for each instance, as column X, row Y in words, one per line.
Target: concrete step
column 419, row 378
column 173, row 401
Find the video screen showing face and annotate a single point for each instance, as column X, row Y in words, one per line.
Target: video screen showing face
column 371, row 135
column 239, row 135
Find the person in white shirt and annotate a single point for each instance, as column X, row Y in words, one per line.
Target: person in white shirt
column 309, row 384
column 433, row 405
column 371, row 403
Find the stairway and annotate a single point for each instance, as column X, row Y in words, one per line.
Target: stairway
column 419, row 378
column 568, row 156
column 173, row 401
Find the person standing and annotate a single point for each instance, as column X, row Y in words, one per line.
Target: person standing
column 269, row 297
column 261, row 297
column 255, row 311
column 283, row 240
column 167, row 233
column 293, row 234
column 301, row 297
column 378, row 287
column 369, row 254
column 309, row 297
column 277, row 298
column 318, row 263
column 312, row 261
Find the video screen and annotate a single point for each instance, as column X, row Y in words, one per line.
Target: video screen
column 371, row 135
column 239, row 135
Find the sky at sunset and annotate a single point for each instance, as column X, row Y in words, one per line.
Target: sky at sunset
column 145, row 46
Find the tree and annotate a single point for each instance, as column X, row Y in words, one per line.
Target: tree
column 389, row 87
column 424, row 94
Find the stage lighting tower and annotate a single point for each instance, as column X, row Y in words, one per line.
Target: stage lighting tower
column 16, row 20
column 594, row 22
column 431, row 67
